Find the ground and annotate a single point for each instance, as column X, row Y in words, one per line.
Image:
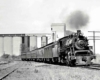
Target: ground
column 43, row 71
column 30, row 70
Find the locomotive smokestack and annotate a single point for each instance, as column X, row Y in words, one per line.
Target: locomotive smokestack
column 78, row 32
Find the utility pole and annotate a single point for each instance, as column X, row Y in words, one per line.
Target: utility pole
column 11, row 45
column 94, row 38
column 3, row 45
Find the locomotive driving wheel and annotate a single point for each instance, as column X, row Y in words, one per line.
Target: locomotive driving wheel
column 70, row 62
column 67, row 62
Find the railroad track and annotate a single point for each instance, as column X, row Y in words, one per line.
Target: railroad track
column 5, row 72
column 91, row 67
column 7, row 62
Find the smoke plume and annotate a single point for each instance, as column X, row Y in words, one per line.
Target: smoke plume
column 78, row 19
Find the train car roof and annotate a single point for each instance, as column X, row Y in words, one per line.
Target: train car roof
column 73, row 34
column 43, row 46
column 49, row 44
column 63, row 38
column 52, row 43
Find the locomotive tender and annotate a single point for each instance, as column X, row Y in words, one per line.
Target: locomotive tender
column 71, row 50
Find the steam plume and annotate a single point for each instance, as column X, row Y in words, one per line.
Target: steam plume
column 78, row 19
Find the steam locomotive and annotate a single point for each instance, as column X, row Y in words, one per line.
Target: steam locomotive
column 70, row 50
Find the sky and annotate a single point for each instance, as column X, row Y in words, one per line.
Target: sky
column 36, row 16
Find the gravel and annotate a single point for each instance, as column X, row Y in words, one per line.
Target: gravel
column 43, row 71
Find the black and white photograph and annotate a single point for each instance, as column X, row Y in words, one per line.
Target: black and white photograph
column 49, row 39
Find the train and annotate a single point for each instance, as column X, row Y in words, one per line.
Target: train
column 71, row 50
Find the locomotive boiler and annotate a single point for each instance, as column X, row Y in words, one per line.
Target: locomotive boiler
column 70, row 50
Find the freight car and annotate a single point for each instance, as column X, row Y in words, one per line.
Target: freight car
column 71, row 50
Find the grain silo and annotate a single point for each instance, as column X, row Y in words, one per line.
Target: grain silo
column 25, row 46
column 58, row 31
column 33, row 42
column 44, row 40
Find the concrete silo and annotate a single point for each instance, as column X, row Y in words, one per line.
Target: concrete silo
column 33, row 42
column 29, row 43
column 44, row 40
column 58, row 31
column 25, row 46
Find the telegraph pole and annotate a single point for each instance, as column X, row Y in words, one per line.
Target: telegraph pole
column 11, row 45
column 94, row 38
column 3, row 45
